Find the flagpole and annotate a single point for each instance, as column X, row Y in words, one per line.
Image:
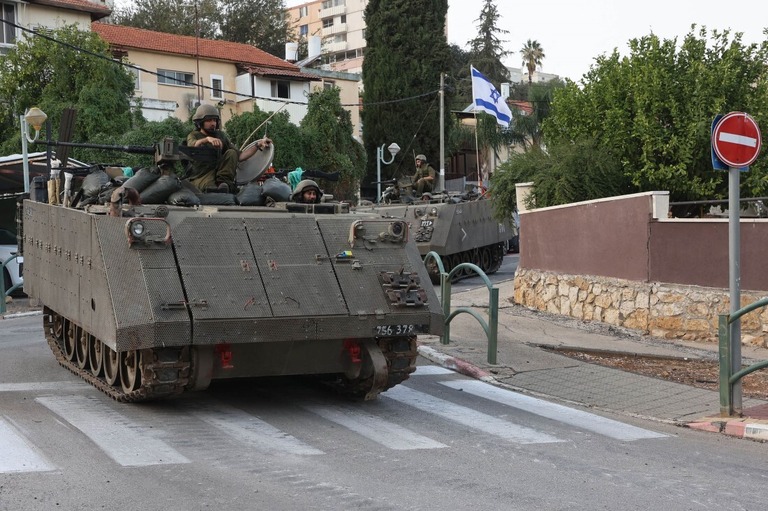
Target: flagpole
column 477, row 154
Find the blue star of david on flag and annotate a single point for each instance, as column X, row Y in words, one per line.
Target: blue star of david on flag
column 487, row 99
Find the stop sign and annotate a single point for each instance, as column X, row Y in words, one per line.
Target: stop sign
column 736, row 139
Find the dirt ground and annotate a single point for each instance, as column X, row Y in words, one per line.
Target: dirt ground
column 695, row 372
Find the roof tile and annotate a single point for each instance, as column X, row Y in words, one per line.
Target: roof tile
column 97, row 10
column 140, row 39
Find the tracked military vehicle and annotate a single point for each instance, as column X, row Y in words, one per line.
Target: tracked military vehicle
column 459, row 227
column 149, row 301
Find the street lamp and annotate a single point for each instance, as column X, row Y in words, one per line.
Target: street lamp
column 393, row 150
column 34, row 117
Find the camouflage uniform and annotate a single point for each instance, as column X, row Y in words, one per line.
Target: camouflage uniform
column 210, row 174
column 421, row 185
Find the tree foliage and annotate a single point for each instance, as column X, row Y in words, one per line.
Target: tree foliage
column 181, row 17
column 331, row 146
column 525, row 129
column 654, row 108
column 533, row 57
column 406, row 52
column 260, row 23
column 567, row 173
column 458, row 80
column 487, row 49
column 288, row 139
column 66, row 68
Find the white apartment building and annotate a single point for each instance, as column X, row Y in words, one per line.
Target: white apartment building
column 340, row 27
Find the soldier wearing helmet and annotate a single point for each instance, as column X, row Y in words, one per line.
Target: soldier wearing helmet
column 424, row 178
column 307, row 192
column 219, row 174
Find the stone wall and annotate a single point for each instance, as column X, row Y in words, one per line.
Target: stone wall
column 671, row 311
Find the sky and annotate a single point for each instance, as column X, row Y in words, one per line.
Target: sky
column 572, row 33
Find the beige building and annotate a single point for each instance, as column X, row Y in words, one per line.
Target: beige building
column 175, row 73
column 52, row 14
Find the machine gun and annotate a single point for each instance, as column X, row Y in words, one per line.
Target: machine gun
column 397, row 190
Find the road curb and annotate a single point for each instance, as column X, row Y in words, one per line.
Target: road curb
column 750, row 429
column 11, row 315
column 455, row 364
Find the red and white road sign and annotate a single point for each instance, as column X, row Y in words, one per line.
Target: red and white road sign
column 736, row 139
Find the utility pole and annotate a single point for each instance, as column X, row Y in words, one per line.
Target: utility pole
column 441, row 178
column 197, row 57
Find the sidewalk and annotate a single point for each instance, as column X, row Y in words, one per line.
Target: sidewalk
column 523, row 364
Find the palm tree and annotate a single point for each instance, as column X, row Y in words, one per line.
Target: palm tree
column 532, row 54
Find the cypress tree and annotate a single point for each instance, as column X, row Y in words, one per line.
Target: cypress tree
column 406, row 50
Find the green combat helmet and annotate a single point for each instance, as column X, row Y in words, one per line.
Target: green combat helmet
column 304, row 186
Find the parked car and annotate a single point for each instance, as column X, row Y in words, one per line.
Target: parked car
column 13, row 271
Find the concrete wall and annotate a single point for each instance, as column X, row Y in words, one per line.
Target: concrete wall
column 622, row 261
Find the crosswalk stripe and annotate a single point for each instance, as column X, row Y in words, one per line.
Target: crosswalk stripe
column 468, row 417
column 431, row 371
column 66, row 386
column 127, row 443
column 374, row 428
column 560, row 413
column 252, row 431
column 16, row 454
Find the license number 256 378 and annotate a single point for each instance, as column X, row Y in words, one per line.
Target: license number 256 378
column 396, row 330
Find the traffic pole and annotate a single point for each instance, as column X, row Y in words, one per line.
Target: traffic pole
column 734, row 278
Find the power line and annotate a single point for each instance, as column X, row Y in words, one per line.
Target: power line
column 181, row 82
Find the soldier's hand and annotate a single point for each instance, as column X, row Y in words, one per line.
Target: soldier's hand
column 215, row 142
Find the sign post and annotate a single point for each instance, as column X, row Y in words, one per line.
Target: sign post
column 736, row 142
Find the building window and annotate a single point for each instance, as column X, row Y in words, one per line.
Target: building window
column 329, row 84
column 179, row 78
column 281, row 89
column 303, row 30
column 8, row 31
column 217, row 87
column 328, row 23
column 136, row 78
column 303, row 11
column 327, row 4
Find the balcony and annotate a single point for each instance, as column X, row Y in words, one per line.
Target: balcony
column 338, row 28
column 333, row 11
column 334, row 47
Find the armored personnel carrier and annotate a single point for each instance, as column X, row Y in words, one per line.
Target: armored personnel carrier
column 460, row 228
column 149, row 301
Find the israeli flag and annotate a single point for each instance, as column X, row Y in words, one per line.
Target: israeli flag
column 487, row 99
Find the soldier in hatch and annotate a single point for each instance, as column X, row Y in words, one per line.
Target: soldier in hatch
column 307, row 192
column 424, row 178
column 219, row 174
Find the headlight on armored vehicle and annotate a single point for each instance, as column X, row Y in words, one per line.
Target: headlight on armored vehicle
column 397, row 230
column 148, row 233
column 137, row 229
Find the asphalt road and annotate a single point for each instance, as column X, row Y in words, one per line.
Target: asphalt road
column 440, row 441
column 506, row 272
